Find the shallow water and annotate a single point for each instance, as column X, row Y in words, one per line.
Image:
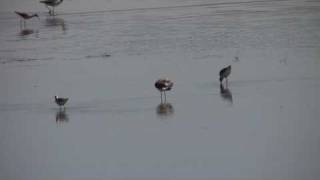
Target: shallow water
column 264, row 126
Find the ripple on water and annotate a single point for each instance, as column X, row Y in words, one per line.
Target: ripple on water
column 21, row 60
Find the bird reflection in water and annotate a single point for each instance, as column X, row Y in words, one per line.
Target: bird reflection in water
column 165, row 110
column 56, row 22
column 61, row 116
column 225, row 93
column 26, row 32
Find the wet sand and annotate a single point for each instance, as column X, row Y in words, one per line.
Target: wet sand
column 264, row 126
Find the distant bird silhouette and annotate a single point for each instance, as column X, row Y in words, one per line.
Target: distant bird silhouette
column 163, row 85
column 52, row 4
column 236, row 59
column 224, row 73
column 25, row 16
column 60, row 101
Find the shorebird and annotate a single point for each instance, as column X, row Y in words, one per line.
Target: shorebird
column 163, row 85
column 25, row 16
column 60, row 101
column 51, row 3
column 224, row 73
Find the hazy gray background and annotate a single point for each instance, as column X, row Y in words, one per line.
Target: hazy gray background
column 112, row 126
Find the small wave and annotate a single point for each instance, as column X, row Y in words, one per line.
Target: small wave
column 105, row 55
column 21, row 60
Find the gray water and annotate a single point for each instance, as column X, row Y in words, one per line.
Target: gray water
column 114, row 125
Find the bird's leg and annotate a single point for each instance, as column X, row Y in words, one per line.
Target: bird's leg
column 161, row 96
column 20, row 23
column 226, row 82
column 165, row 97
column 24, row 23
column 53, row 11
column 49, row 10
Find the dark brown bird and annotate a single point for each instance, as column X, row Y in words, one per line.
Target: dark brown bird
column 60, row 101
column 25, row 16
column 224, row 73
column 163, row 85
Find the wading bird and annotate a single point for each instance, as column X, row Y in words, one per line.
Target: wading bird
column 60, row 101
column 52, row 4
column 25, row 16
column 224, row 73
column 163, row 85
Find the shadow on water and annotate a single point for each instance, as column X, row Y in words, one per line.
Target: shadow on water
column 225, row 93
column 62, row 116
column 164, row 110
column 56, row 22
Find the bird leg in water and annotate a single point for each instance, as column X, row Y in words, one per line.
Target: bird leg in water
column 165, row 97
column 53, row 11
column 49, row 10
column 20, row 22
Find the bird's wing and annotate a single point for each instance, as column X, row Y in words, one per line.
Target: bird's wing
column 21, row 13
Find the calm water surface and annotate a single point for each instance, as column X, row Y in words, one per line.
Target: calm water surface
column 264, row 126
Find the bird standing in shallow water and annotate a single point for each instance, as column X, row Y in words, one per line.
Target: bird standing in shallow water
column 163, row 85
column 60, row 101
column 51, row 3
column 224, row 73
column 24, row 16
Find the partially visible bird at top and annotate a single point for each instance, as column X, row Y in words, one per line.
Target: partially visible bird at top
column 60, row 101
column 52, row 4
column 163, row 85
column 25, row 16
column 224, row 73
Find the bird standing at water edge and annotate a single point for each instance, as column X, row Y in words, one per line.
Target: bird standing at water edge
column 60, row 101
column 163, row 85
column 51, row 3
column 24, row 16
column 224, row 73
